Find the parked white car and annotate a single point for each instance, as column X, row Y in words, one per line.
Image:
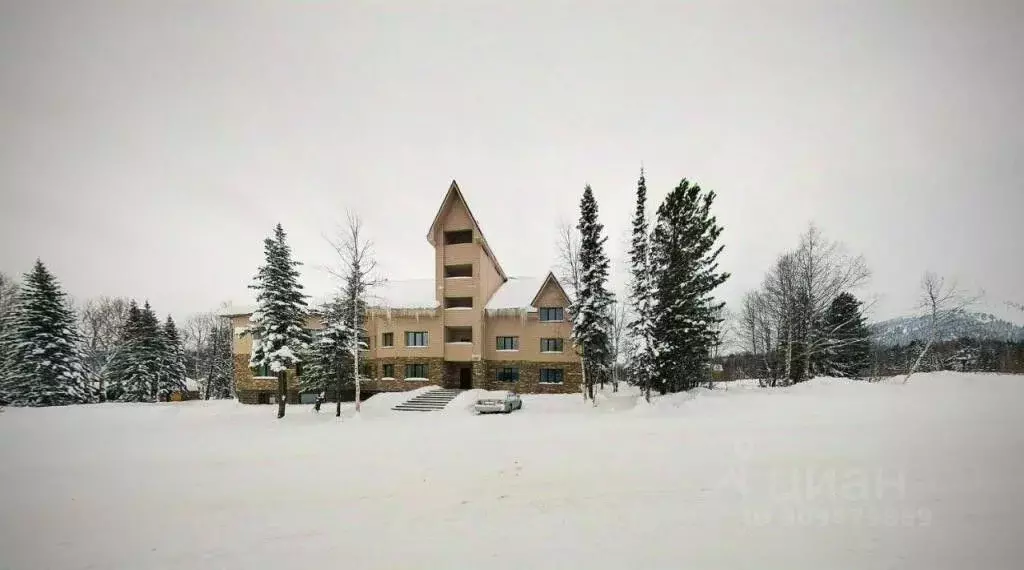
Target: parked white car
column 502, row 401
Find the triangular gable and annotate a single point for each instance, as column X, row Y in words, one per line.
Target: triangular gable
column 549, row 279
column 455, row 194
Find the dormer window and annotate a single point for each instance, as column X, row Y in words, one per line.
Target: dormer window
column 551, row 314
column 458, row 236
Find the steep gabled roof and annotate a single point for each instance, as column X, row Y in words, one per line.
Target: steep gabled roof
column 550, row 279
column 455, row 194
column 521, row 293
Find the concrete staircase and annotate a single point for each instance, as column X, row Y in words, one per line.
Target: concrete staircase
column 428, row 401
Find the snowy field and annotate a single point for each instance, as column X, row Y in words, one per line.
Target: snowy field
column 828, row 474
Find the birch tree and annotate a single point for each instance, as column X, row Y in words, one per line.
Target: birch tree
column 568, row 257
column 358, row 273
column 941, row 302
column 101, row 322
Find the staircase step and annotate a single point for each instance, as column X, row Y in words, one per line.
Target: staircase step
column 428, row 402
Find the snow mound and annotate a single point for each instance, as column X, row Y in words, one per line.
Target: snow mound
column 380, row 404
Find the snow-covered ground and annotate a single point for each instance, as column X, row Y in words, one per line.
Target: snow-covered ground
column 828, row 474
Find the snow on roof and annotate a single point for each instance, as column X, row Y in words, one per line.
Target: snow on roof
column 516, row 293
column 398, row 294
column 191, row 385
column 404, row 294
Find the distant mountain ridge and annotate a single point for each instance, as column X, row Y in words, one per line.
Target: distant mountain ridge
column 972, row 324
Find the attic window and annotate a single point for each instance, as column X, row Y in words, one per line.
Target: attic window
column 458, row 236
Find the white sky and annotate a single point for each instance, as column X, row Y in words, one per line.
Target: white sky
column 147, row 148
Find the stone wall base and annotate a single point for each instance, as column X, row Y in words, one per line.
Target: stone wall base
column 252, row 390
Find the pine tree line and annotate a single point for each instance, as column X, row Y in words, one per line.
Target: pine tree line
column 112, row 350
column 674, row 271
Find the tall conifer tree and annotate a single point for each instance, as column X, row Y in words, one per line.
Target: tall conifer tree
column 684, row 265
column 279, row 333
column 641, row 325
column 591, row 318
column 44, row 363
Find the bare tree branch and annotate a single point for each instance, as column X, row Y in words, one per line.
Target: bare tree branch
column 940, row 302
column 568, row 262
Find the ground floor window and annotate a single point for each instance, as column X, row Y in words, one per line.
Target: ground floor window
column 261, row 370
column 388, row 371
column 551, row 375
column 506, row 374
column 415, row 370
column 264, row 398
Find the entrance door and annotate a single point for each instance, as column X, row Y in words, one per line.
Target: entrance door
column 465, row 378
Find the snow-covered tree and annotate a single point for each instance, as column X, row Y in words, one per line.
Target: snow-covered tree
column 137, row 370
column 8, row 294
column 684, row 266
column 641, row 326
column 121, row 362
column 329, row 359
column 207, row 345
column 44, row 364
column 278, row 324
column 172, row 366
column 591, row 317
column 101, row 322
column 848, row 346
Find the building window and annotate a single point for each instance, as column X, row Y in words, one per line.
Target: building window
column 508, row 343
column 506, row 374
column 387, row 340
column 550, row 375
column 458, row 236
column 415, row 371
column 418, row 338
column 458, row 334
column 551, row 314
column 551, row 345
column 261, row 370
column 388, row 371
column 298, row 369
column 458, row 270
column 458, row 302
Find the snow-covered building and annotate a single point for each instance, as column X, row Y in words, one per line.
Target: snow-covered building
column 470, row 326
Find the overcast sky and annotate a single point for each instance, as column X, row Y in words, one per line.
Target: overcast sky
column 147, row 148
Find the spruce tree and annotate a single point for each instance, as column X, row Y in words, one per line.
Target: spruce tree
column 140, row 371
column 684, row 266
column 279, row 333
column 641, row 325
column 329, row 363
column 120, row 366
column 848, row 347
column 172, row 369
column 591, row 320
column 8, row 296
column 44, row 362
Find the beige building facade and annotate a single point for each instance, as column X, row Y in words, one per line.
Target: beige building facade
column 470, row 326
